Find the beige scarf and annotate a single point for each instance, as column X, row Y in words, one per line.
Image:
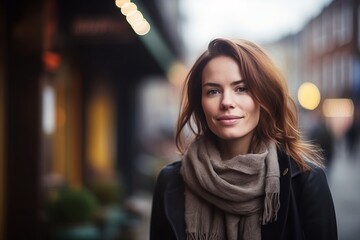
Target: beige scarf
column 229, row 199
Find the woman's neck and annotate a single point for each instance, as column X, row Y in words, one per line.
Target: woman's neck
column 231, row 148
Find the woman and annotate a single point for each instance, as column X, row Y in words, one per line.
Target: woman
column 247, row 174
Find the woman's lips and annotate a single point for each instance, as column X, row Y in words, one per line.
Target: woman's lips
column 229, row 120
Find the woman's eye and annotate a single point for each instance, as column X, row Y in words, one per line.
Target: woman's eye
column 212, row 92
column 241, row 89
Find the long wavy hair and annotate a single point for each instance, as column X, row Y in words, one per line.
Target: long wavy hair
column 278, row 112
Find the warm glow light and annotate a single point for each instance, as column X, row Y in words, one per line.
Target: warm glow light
column 309, row 96
column 128, row 8
column 51, row 60
column 137, row 24
column 142, row 28
column 177, row 74
column 100, row 130
column 120, row 3
column 60, row 117
column 338, row 107
column 134, row 17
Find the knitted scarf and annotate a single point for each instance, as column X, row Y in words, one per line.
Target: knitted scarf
column 229, row 199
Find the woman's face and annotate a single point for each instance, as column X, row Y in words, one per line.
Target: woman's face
column 230, row 111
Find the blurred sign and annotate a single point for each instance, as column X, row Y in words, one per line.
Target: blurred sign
column 100, row 27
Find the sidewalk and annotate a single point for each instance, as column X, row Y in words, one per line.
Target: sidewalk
column 344, row 181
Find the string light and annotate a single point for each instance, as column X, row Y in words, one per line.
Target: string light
column 142, row 28
column 120, row 3
column 128, row 8
column 133, row 16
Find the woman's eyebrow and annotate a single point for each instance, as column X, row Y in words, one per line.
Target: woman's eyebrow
column 237, row 82
column 212, row 84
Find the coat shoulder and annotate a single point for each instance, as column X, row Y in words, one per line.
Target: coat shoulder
column 172, row 167
column 315, row 173
column 170, row 170
column 170, row 175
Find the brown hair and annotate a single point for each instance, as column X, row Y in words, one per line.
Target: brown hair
column 278, row 112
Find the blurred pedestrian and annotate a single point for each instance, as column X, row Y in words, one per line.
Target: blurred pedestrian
column 324, row 139
column 321, row 136
column 352, row 135
column 247, row 174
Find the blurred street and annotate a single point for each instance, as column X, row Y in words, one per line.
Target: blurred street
column 90, row 93
column 344, row 181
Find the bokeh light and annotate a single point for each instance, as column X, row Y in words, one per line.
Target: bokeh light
column 309, row 96
column 121, row 3
column 338, row 107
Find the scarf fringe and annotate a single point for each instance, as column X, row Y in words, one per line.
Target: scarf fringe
column 199, row 236
column 271, row 207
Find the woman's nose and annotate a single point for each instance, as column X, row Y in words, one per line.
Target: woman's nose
column 227, row 101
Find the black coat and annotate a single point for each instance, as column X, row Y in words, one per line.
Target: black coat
column 306, row 205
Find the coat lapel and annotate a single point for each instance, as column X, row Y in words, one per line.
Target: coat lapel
column 276, row 230
column 174, row 206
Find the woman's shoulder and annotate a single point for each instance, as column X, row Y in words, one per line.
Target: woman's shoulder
column 171, row 173
column 313, row 178
column 296, row 170
column 171, row 168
